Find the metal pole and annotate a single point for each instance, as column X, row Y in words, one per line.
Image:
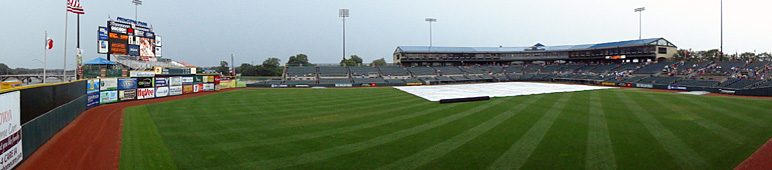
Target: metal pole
column 640, row 23
column 721, row 47
column 344, row 38
column 45, row 53
column 233, row 67
column 66, row 16
column 430, row 34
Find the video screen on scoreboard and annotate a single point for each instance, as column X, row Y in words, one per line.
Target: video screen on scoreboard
column 118, row 43
column 146, row 47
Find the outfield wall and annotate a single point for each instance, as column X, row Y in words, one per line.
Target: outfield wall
column 31, row 115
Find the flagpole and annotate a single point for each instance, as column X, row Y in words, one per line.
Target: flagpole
column 78, row 49
column 45, row 53
column 66, row 16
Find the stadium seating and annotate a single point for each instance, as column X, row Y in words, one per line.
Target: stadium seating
column 513, row 69
column 422, row 71
column 473, row 70
column 387, row 72
column 369, row 80
column 660, row 80
column 366, row 72
column 449, row 70
column 301, row 73
column 333, row 72
column 335, row 81
column 655, row 68
column 698, row 83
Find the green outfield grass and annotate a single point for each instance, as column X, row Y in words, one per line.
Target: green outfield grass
column 384, row 128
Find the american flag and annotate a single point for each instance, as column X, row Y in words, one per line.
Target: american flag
column 74, row 7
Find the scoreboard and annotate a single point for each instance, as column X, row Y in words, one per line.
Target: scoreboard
column 128, row 37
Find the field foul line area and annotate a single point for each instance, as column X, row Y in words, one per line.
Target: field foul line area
column 505, row 89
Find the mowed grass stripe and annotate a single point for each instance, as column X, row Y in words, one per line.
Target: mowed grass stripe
column 312, row 135
column 418, row 159
column 699, row 120
column 685, row 156
column 253, row 123
column 141, row 144
column 740, row 115
column 516, row 156
column 350, row 148
column 600, row 154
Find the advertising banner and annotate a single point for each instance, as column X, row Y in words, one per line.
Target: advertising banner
column 133, row 50
column 198, row 79
column 102, row 33
column 175, row 90
column 187, row 80
column 187, row 89
column 92, row 86
column 106, row 84
column 108, row 97
column 205, row 79
column 674, row 87
column 124, row 95
column 10, row 123
column 161, row 81
column 175, row 81
column 145, row 93
column 343, row 85
column 103, row 47
column 209, row 87
column 198, row 88
column 609, row 84
column 145, row 82
column 141, row 74
column 644, row 85
column 279, row 85
column 225, row 84
column 217, row 79
column 127, row 83
column 92, row 100
column 161, row 91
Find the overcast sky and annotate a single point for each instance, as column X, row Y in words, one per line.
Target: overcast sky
column 203, row 33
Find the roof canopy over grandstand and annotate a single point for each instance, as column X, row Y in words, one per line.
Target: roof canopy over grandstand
column 651, row 48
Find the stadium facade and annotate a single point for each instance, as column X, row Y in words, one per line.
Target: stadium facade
column 610, row 52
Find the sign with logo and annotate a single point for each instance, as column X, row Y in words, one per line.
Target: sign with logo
column 10, row 123
column 187, row 89
column 198, row 79
column 145, row 93
column 134, row 73
column 209, row 87
column 674, row 87
column 198, row 88
column 92, row 100
column 279, row 85
column 108, row 97
column 644, row 85
column 133, row 50
column 161, row 81
column 102, row 33
column 188, row 80
column 609, row 84
column 343, row 85
column 217, row 79
column 124, row 95
column 175, row 81
column 108, row 84
column 127, row 83
column 92, row 86
column 145, row 82
column 158, row 41
column 161, row 91
column 103, row 47
column 158, row 52
column 175, row 90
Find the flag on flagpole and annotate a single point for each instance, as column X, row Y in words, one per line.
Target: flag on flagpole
column 49, row 43
column 75, row 7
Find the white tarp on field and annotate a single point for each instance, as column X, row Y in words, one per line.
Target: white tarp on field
column 437, row 92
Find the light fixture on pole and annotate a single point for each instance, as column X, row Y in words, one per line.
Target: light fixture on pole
column 640, row 14
column 430, row 20
column 136, row 3
column 343, row 13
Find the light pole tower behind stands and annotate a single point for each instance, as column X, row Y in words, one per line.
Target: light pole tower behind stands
column 430, row 20
column 640, row 17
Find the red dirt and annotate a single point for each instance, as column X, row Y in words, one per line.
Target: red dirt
column 92, row 140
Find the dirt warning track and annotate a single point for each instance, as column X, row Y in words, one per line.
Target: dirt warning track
column 92, row 140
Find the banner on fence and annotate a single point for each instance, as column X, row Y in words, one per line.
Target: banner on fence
column 175, row 81
column 343, row 85
column 127, row 83
column 10, row 123
column 198, row 88
column 187, row 89
column 145, row 82
column 175, row 90
column 279, row 85
column 161, row 81
column 188, row 80
column 141, row 73
column 209, row 87
column 106, row 84
column 92, row 86
column 108, row 97
column 145, row 93
column 161, row 91
column 674, row 87
column 92, row 100
column 130, row 94
column 609, row 84
column 644, row 85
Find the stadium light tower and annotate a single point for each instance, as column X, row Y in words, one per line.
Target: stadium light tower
column 640, row 14
column 343, row 13
column 136, row 3
column 430, row 20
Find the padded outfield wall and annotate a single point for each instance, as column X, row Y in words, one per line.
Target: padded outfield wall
column 31, row 115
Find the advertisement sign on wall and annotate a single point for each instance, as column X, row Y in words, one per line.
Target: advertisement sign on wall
column 161, row 91
column 10, row 114
column 161, row 81
column 674, row 87
column 209, row 87
column 175, row 90
column 187, row 80
column 144, row 82
column 198, row 88
column 644, row 85
column 134, row 73
column 187, row 89
column 127, row 83
column 92, row 86
column 108, row 97
column 103, row 47
column 198, row 79
column 124, row 95
column 175, row 81
column 106, row 84
column 224, row 84
column 145, row 93
column 92, row 100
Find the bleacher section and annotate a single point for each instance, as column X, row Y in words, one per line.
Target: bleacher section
column 422, row 71
column 449, row 70
column 301, row 73
column 698, row 83
column 133, row 64
column 333, row 72
column 473, row 70
column 655, row 68
column 364, row 72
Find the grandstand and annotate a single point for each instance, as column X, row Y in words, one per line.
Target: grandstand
column 422, row 71
column 300, row 73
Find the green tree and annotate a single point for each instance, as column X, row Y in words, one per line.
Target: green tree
column 379, row 62
column 246, row 70
column 298, row 60
column 356, row 59
column 224, row 69
column 747, row 56
column 347, row 62
column 4, row 69
column 271, row 62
